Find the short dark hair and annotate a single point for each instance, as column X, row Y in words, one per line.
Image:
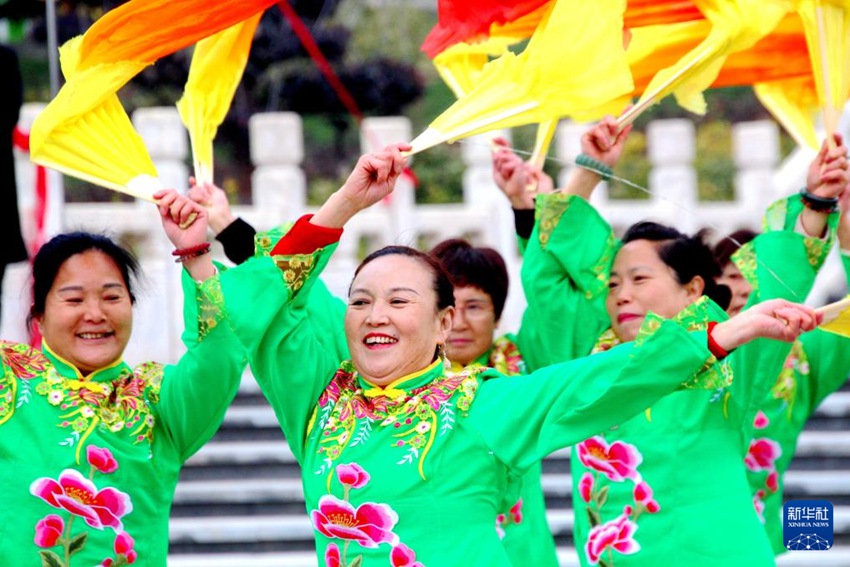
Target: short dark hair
column 483, row 268
column 442, row 284
column 687, row 256
column 60, row 248
column 728, row 245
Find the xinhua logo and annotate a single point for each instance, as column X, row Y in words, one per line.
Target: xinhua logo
column 807, row 525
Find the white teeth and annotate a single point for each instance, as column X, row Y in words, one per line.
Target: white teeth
column 93, row 335
column 380, row 340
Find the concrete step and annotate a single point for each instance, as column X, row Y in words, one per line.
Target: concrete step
column 282, row 528
column 836, row 557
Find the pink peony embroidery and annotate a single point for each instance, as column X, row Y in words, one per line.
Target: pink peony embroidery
column 652, row 506
column 762, row 454
column 124, row 545
column 48, row 530
column 585, row 486
column 352, row 475
column 772, row 481
column 332, row 557
column 642, row 493
column 403, row 556
column 618, row 534
column 761, row 420
column 101, row 459
column 759, row 505
column 369, row 525
column 516, row 512
column 617, row 461
column 79, row 496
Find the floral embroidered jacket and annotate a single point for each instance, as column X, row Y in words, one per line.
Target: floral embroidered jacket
column 521, row 523
column 818, row 365
column 412, row 474
column 667, row 482
column 90, row 463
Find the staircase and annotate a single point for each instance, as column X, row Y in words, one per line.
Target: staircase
column 240, row 502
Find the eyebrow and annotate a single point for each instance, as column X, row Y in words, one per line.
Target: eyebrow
column 80, row 288
column 392, row 290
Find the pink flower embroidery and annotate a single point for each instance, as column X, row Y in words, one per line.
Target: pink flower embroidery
column 403, row 556
column 79, row 496
column 368, row 525
column 352, row 475
column 759, row 505
column 101, row 459
column 585, row 486
column 762, row 454
column 616, row 534
column 761, row 421
column 516, row 512
column 772, row 481
column 124, row 546
column 643, row 495
column 332, row 557
column 48, row 530
column 618, row 461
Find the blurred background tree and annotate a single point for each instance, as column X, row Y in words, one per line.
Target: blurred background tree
column 373, row 46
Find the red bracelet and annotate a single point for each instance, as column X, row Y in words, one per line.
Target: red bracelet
column 718, row 351
column 190, row 252
column 202, row 247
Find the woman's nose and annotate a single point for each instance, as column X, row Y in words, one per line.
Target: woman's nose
column 94, row 311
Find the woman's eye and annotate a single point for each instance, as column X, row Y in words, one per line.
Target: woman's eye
column 357, row 302
column 112, row 297
column 613, row 285
column 398, row 301
column 74, row 300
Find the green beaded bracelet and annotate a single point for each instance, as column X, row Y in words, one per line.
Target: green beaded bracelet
column 594, row 165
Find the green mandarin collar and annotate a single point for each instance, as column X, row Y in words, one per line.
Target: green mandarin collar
column 401, row 386
column 699, row 313
column 68, row 370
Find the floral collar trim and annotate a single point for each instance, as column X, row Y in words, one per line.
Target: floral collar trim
column 393, row 390
column 65, row 368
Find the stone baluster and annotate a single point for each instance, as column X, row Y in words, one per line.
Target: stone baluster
column 671, row 148
column 278, row 184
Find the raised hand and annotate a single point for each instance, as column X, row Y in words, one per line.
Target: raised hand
column 373, row 178
column 828, row 173
column 514, row 176
column 604, row 142
column 216, row 202
column 774, row 319
column 184, row 220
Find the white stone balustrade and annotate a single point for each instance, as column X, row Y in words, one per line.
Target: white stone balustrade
column 279, row 194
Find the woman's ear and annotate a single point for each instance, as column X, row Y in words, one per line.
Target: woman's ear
column 446, row 316
column 695, row 288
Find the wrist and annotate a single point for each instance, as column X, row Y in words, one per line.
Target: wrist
column 724, row 337
column 817, row 203
column 220, row 221
column 336, row 211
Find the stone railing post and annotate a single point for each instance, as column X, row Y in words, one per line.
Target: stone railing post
column 278, row 183
column 755, row 149
column 673, row 180
column 481, row 193
column 168, row 144
column 375, row 134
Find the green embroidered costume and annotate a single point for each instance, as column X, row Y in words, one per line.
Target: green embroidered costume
column 818, row 365
column 413, row 473
column 667, row 483
column 90, row 463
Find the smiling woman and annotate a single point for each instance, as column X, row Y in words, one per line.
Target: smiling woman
column 403, row 460
column 668, row 482
column 85, row 437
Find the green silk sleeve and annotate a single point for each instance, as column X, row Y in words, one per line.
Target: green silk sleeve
column 293, row 354
column 829, row 363
column 780, row 263
column 196, row 392
column 524, row 418
column 565, row 275
column 845, row 263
